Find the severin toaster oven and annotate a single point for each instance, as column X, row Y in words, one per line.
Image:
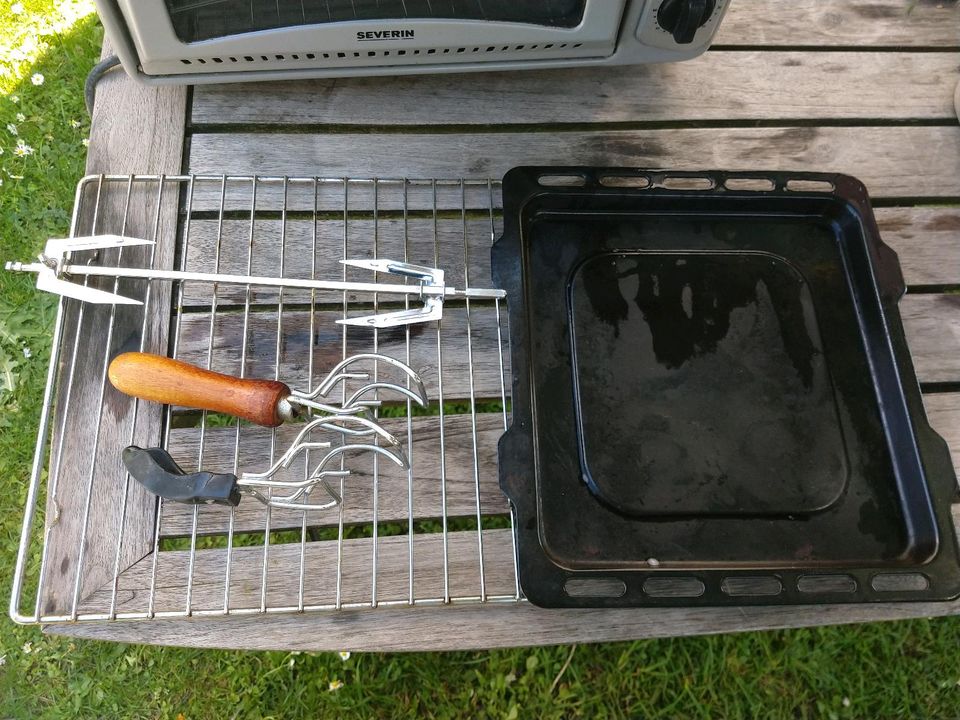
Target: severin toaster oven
column 194, row 41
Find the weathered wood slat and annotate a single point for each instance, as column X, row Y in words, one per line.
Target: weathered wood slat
column 325, row 344
column 332, row 193
column 134, row 129
column 926, row 239
column 943, row 412
column 317, row 247
column 428, row 481
column 791, row 85
column 932, row 324
column 856, row 23
column 460, row 578
column 891, row 161
column 497, row 625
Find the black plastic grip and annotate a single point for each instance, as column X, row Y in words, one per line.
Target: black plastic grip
column 159, row 473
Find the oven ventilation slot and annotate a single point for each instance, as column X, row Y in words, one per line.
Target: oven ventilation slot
column 395, row 55
column 834, row 583
column 751, row 585
column 679, row 586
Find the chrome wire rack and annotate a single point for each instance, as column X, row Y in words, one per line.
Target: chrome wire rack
column 96, row 546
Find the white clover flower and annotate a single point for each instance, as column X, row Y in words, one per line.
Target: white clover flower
column 22, row 150
column 12, row 129
column 86, row 142
column 28, row 647
column 37, row 79
column 14, row 99
column 27, row 353
column 21, row 117
column 17, row 8
column 845, row 702
column 74, row 124
column 344, row 655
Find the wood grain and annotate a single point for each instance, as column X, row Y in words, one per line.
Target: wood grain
column 134, row 129
column 460, row 577
column 891, row 161
column 927, row 240
column 716, row 86
column 314, row 248
column 853, row 23
column 324, row 344
column 943, row 413
column 466, row 627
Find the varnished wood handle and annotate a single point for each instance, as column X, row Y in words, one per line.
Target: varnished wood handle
column 164, row 380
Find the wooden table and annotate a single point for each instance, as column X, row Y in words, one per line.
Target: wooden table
column 864, row 88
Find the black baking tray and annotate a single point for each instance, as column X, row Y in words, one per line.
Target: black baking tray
column 713, row 399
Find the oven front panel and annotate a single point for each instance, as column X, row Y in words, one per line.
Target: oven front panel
column 235, row 36
column 195, row 20
column 215, row 41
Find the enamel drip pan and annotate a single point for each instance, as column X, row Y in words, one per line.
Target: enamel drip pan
column 713, row 399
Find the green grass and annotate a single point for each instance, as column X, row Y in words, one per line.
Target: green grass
column 906, row 669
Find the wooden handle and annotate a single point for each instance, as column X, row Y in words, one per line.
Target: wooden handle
column 164, row 380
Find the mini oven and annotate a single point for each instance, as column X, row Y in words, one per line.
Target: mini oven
column 195, row 41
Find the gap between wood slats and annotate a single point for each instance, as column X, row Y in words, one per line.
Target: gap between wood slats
column 320, row 574
column 718, row 89
column 891, row 161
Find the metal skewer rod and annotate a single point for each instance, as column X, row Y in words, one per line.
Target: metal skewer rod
column 305, row 283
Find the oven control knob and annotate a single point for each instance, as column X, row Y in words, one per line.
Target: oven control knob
column 682, row 18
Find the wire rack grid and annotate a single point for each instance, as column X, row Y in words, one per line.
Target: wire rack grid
column 96, row 546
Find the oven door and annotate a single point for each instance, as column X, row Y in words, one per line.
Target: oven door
column 177, row 36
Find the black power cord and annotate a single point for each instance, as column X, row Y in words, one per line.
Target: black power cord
column 93, row 77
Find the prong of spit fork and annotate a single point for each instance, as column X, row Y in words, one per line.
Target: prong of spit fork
column 429, row 277
column 56, row 254
column 54, row 273
column 156, row 470
column 338, row 374
column 248, row 483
